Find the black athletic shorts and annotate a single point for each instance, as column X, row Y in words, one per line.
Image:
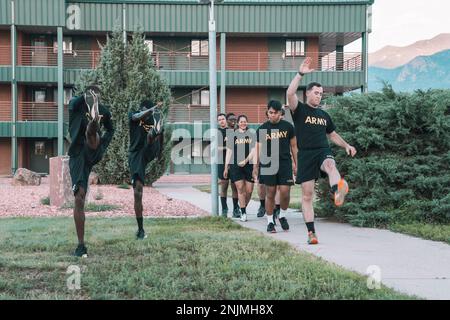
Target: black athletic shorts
column 241, row 173
column 283, row 177
column 81, row 165
column 309, row 163
column 220, row 170
column 259, row 175
column 138, row 160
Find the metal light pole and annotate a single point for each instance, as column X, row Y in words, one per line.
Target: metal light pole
column 213, row 106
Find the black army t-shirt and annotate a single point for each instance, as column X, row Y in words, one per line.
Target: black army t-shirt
column 78, row 122
column 138, row 131
column 244, row 142
column 281, row 132
column 311, row 127
column 222, row 143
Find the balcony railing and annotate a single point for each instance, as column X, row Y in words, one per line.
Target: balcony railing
column 5, row 111
column 188, row 113
column 32, row 111
column 47, row 56
column 81, row 59
column 36, row 56
column 40, row 111
column 185, row 61
column 256, row 113
column 260, row 61
column 5, row 55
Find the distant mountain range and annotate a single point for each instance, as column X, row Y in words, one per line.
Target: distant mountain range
column 423, row 72
column 393, row 57
column 422, row 65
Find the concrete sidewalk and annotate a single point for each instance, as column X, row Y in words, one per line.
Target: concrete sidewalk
column 408, row 264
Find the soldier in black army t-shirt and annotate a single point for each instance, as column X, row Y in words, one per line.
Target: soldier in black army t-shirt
column 87, row 147
column 313, row 127
column 222, row 122
column 146, row 139
column 276, row 141
column 239, row 163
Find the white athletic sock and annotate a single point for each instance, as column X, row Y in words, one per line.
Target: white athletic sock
column 283, row 213
column 269, row 219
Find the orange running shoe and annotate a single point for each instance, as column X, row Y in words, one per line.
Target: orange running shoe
column 341, row 192
column 312, row 238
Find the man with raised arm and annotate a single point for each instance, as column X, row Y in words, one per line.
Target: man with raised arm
column 313, row 128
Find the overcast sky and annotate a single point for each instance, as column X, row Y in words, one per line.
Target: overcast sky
column 403, row 22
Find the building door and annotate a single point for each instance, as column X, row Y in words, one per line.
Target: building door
column 40, row 151
column 39, row 52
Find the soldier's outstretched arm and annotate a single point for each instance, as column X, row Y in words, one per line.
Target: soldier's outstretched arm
column 304, row 68
column 138, row 116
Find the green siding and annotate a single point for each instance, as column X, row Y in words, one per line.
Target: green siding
column 49, row 129
column 264, row 79
column 168, row 18
column 100, row 16
column 32, row 129
column 71, row 76
column 233, row 18
column 36, row 74
column 190, row 78
column 282, row 78
column 254, row 2
column 200, row 78
column 292, row 19
column 5, row 12
column 44, row 129
column 40, row 12
column 239, row 17
column 248, row 18
column 5, row 129
column 5, row 74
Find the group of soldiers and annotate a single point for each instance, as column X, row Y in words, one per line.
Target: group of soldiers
column 278, row 155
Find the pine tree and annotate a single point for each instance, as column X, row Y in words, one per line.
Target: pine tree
column 126, row 76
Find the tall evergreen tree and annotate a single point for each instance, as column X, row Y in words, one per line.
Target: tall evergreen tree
column 126, row 76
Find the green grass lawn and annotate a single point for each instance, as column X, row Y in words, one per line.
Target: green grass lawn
column 427, row 231
column 207, row 258
column 296, row 193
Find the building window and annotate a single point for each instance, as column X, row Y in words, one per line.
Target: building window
column 149, row 44
column 67, row 45
column 39, row 96
column 39, row 148
column 199, row 47
column 295, row 48
column 200, row 97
